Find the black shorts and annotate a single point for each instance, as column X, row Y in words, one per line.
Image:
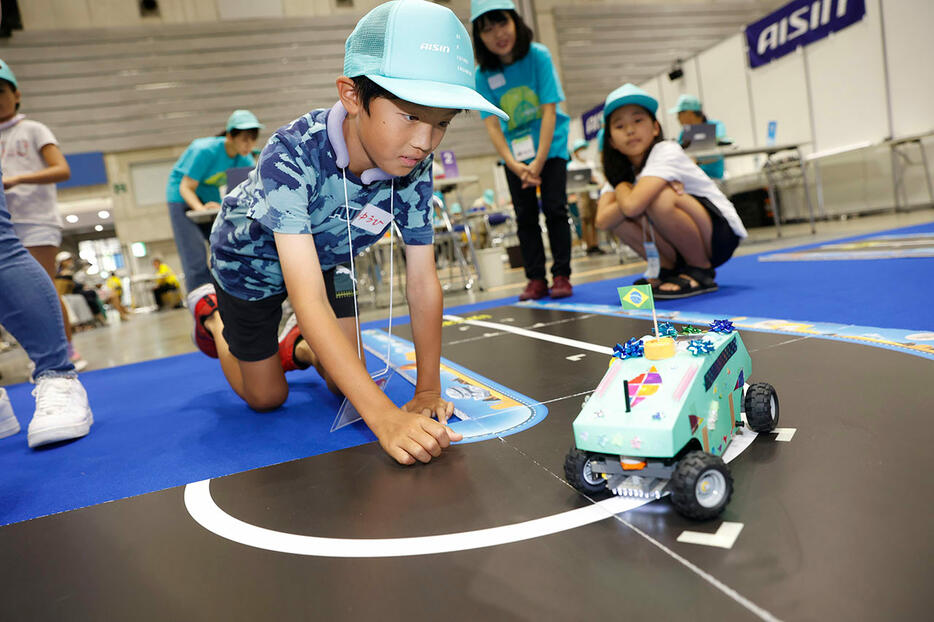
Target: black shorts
column 251, row 327
column 723, row 240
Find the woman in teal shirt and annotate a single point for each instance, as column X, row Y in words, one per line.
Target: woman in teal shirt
column 195, row 182
column 518, row 76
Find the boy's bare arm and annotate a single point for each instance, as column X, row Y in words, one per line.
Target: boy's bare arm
column 187, row 187
column 404, row 436
column 423, row 291
column 56, row 169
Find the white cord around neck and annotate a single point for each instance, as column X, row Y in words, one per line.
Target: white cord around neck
column 353, row 270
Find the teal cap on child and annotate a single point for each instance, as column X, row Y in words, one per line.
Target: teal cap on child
column 479, row 7
column 686, row 102
column 580, row 143
column 629, row 94
column 7, row 74
column 419, row 52
column 243, row 120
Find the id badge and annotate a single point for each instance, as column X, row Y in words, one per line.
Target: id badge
column 372, row 219
column 523, row 148
column 496, row 80
column 653, row 264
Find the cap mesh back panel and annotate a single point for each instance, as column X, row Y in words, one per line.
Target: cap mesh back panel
column 365, row 47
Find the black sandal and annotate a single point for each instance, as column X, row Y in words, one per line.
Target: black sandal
column 704, row 277
column 663, row 275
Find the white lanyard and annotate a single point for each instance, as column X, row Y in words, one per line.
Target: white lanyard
column 353, row 271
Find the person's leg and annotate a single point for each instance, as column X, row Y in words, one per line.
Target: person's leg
column 307, row 356
column 685, row 224
column 525, row 203
column 31, row 310
column 555, row 207
column 588, row 215
column 45, row 255
column 261, row 384
column 192, row 247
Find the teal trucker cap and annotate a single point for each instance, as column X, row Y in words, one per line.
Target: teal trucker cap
column 479, row 7
column 7, row 74
column 629, row 94
column 243, row 120
column 686, row 102
column 419, row 52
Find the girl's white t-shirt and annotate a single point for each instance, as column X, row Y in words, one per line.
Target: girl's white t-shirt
column 20, row 152
column 668, row 161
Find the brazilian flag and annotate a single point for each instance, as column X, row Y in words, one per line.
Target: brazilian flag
column 636, row 297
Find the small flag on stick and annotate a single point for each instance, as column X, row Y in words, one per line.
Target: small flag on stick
column 638, row 297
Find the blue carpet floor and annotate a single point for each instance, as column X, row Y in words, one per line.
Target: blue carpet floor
column 888, row 293
column 173, row 421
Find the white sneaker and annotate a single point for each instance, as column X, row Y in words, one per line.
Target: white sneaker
column 62, row 411
column 9, row 424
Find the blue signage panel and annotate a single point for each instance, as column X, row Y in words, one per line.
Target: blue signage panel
column 799, row 22
column 593, row 121
column 87, row 169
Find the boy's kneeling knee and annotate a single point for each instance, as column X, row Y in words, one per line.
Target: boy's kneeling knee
column 266, row 401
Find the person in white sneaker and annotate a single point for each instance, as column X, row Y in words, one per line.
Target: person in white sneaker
column 30, row 311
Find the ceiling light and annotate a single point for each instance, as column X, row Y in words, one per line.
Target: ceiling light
column 71, row 218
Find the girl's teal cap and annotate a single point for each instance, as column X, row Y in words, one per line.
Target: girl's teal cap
column 600, row 139
column 7, row 74
column 580, row 143
column 418, row 51
column 629, row 94
column 686, row 102
column 243, row 120
column 479, row 7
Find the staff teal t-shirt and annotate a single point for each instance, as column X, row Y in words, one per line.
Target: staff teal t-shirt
column 714, row 167
column 207, row 161
column 520, row 89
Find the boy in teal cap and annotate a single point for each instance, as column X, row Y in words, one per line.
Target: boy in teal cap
column 690, row 112
column 327, row 186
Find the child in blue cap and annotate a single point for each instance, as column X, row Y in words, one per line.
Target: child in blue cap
column 657, row 198
column 690, row 112
column 30, row 232
column 194, row 184
column 518, row 75
column 327, row 186
column 32, row 164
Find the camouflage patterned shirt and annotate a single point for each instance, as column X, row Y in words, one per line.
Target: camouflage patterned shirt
column 298, row 187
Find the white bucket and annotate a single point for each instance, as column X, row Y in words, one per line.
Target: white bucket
column 490, row 263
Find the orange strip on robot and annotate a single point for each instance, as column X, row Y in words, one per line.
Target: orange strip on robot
column 706, row 442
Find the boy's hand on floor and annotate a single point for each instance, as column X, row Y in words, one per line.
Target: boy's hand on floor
column 430, row 403
column 408, row 437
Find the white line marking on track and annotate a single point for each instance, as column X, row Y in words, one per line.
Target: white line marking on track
column 784, row 434
column 575, row 357
column 724, row 537
column 574, row 343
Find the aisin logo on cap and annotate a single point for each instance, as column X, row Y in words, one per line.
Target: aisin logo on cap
column 435, row 47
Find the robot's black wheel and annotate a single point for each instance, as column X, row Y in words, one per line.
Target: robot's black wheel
column 701, row 486
column 761, row 407
column 579, row 472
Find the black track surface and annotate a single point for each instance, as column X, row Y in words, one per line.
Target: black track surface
column 836, row 522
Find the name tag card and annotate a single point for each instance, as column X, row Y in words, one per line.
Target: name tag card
column 372, row 219
column 496, row 80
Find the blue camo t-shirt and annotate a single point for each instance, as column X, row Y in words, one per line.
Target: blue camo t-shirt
column 206, row 161
column 520, row 89
column 297, row 187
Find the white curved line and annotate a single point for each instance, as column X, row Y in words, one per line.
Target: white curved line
column 206, row 513
column 203, row 509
